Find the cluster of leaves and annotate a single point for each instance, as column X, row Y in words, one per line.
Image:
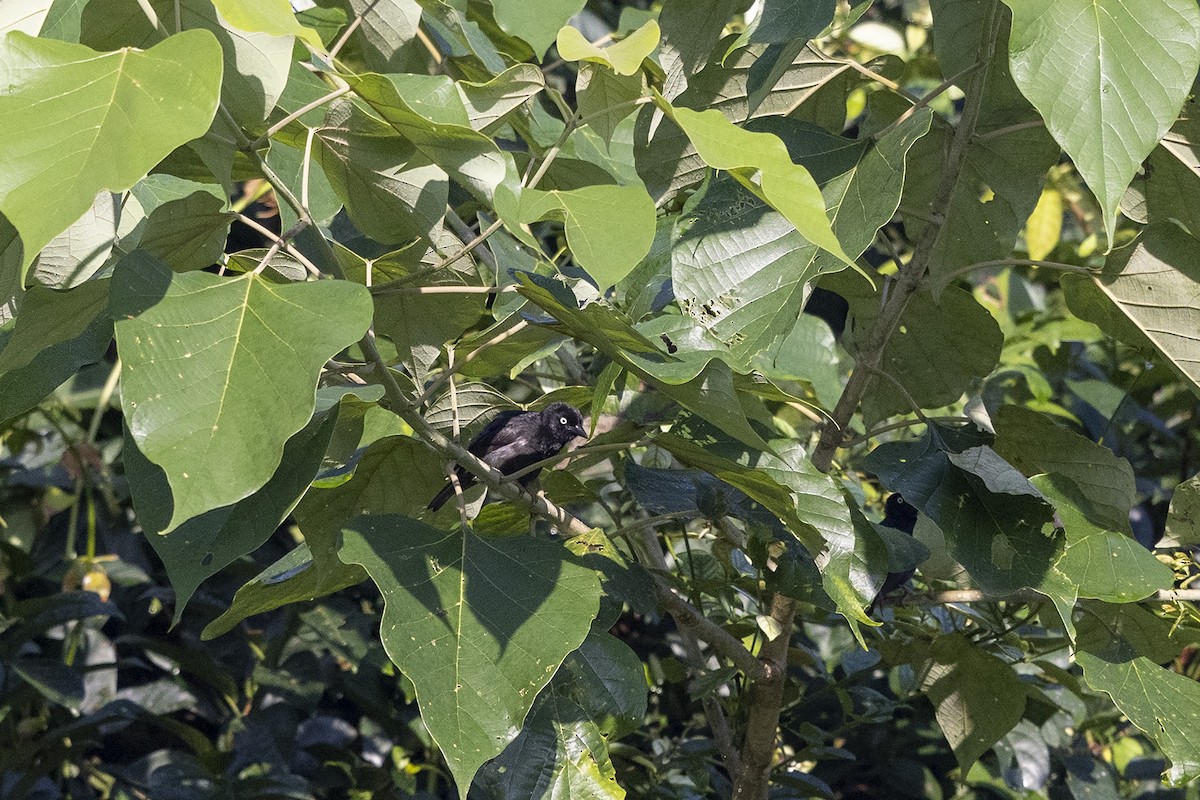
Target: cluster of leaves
column 469, row 207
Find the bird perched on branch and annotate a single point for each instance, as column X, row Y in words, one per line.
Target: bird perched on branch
column 901, row 516
column 515, row 440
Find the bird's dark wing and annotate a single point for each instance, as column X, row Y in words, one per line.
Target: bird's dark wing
column 497, row 433
column 500, row 432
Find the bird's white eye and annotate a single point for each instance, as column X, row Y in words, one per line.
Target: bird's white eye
column 562, row 420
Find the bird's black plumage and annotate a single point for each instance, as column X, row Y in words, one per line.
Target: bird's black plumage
column 516, row 439
column 901, row 516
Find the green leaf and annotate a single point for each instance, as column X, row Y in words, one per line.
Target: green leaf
column 78, row 122
column 562, row 750
column 186, row 226
column 744, row 272
column 391, row 191
column 743, row 87
column 978, row 698
column 807, row 353
column 624, row 58
column 704, row 386
column 56, row 333
column 940, row 349
column 605, row 98
column 467, row 155
column 1100, row 562
column 313, row 569
column 220, row 372
column 997, row 525
column 787, row 187
column 851, row 556
column 388, row 34
column 760, row 485
column 609, row 228
column 1145, row 282
column 1183, row 519
column 782, row 21
column 81, row 250
column 1162, row 704
column 1033, row 444
column 1103, row 54
column 204, row 545
column 268, row 16
column 536, row 23
column 479, row 625
column 490, row 104
column 255, row 61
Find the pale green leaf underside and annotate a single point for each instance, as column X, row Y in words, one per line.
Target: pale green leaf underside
column 77, row 121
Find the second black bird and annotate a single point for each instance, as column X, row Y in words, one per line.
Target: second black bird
column 901, row 516
column 516, row 439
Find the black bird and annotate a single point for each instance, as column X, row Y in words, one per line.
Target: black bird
column 516, row 439
column 901, row 516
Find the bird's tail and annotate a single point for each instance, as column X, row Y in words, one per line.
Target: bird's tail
column 440, row 499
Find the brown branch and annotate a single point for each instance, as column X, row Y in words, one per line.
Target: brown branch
column 870, row 356
column 764, row 701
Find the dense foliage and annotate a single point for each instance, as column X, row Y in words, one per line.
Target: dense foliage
column 265, row 269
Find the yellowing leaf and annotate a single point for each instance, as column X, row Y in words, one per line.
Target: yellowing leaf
column 1044, row 226
column 625, row 57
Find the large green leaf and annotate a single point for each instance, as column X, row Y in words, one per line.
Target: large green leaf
column 56, row 333
column 220, row 372
column 605, row 98
column 978, row 698
column 1162, row 704
column 490, row 104
column 1150, row 282
column 467, row 155
column 77, row 122
column 743, row 271
column 1033, row 444
column 786, row 186
column 388, row 34
column 391, row 191
column 997, row 525
column 186, row 225
column 1108, row 76
column 478, row 625
column 562, row 749
column 536, row 23
column 609, row 228
column 204, row 545
column 1100, row 562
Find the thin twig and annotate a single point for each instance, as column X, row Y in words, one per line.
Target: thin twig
column 297, row 114
column 1017, row 262
column 449, row 372
column 911, row 274
column 287, row 246
column 351, row 28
